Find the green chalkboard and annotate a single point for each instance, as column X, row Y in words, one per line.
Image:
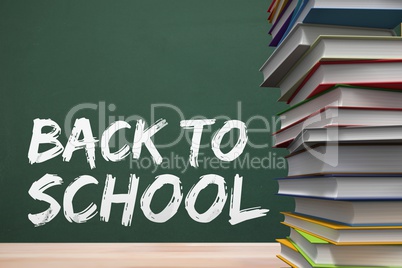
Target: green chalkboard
column 129, row 60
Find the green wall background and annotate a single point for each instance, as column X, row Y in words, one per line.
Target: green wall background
column 201, row 56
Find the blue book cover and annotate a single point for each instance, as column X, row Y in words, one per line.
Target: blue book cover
column 386, row 18
column 296, row 13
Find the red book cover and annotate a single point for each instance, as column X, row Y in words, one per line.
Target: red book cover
column 325, row 86
column 271, row 6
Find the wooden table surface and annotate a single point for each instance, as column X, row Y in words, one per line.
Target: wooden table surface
column 59, row 255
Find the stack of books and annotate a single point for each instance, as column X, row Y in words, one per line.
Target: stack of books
column 338, row 64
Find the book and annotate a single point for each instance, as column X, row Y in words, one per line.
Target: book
column 339, row 48
column 293, row 255
column 370, row 158
column 363, row 73
column 333, row 116
column 387, row 13
column 313, row 136
column 342, row 96
column 354, row 213
column 299, row 41
column 272, row 10
column 272, row 6
column 279, row 15
column 343, row 187
column 341, row 234
column 290, row 255
column 278, row 10
column 296, row 13
column 323, row 252
column 279, row 27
